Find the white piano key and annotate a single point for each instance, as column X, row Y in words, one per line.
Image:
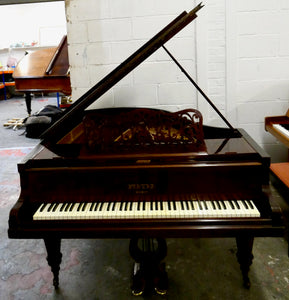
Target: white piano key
column 38, row 214
column 57, row 212
column 281, row 129
column 46, row 214
column 89, row 210
column 237, row 212
column 211, row 212
column 244, row 210
column 148, row 210
column 229, row 209
column 253, row 208
column 165, row 209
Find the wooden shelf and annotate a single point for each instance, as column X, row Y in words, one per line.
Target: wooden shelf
column 10, row 83
column 3, row 83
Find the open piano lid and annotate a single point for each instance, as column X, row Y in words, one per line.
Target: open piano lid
column 74, row 114
column 54, row 138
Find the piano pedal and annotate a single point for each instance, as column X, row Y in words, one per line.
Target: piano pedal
column 138, row 280
column 161, row 280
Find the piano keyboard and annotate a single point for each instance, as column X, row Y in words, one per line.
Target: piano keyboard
column 282, row 128
column 148, row 210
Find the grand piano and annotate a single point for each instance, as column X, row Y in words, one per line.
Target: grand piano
column 44, row 71
column 144, row 174
column 278, row 126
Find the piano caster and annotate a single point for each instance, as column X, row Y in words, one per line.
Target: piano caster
column 149, row 272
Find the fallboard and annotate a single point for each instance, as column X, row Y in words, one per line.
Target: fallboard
column 76, row 184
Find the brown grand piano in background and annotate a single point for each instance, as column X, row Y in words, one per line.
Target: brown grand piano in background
column 279, row 127
column 44, row 71
column 141, row 173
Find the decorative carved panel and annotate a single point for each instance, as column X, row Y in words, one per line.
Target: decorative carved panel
column 144, row 129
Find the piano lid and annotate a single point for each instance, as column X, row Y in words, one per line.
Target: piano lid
column 74, row 114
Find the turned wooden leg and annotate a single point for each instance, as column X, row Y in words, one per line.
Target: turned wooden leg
column 28, row 102
column 245, row 256
column 54, row 257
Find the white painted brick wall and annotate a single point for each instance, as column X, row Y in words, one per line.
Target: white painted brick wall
column 102, row 34
column 262, row 68
column 244, row 51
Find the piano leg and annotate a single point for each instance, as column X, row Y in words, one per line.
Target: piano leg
column 149, row 270
column 28, row 102
column 245, row 256
column 54, row 257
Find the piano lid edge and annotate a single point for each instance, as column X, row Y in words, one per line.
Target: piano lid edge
column 31, row 157
column 70, row 119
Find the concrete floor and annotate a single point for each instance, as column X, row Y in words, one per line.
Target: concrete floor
column 101, row 269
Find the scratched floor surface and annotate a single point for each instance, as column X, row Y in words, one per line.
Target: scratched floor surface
column 101, row 269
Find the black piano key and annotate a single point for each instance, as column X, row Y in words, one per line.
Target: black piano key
column 214, row 205
column 169, row 205
column 100, row 206
column 130, row 206
column 71, row 206
column 161, row 205
column 84, row 206
column 108, row 207
column 245, row 204
column 121, row 206
column 237, row 204
column 182, row 205
column 55, row 207
column 231, row 204
column 67, row 206
column 174, row 205
column 43, row 206
column 50, row 207
column 192, row 205
column 79, row 207
column 222, row 204
column 250, row 204
column 95, row 206
column 205, row 204
column 286, row 126
column 92, row 206
column 62, row 206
